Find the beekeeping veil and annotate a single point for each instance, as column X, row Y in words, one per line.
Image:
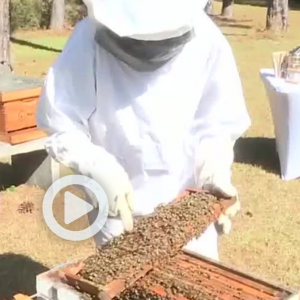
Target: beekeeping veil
column 144, row 34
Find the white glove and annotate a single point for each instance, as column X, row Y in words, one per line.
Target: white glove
column 114, row 180
column 75, row 150
column 213, row 173
column 226, row 190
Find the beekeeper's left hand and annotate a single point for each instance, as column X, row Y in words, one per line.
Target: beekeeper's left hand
column 224, row 190
column 213, row 174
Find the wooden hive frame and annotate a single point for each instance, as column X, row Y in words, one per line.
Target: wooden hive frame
column 70, row 275
column 215, row 279
column 198, row 273
column 195, row 271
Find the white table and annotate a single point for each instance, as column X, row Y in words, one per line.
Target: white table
column 284, row 99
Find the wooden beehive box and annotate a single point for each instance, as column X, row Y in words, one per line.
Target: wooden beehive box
column 185, row 276
column 116, row 287
column 18, row 101
column 189, row 276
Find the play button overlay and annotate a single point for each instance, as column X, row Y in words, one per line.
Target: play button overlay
column 75, row 207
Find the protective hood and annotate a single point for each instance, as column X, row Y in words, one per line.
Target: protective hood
column 146, row 19
column 142, row 56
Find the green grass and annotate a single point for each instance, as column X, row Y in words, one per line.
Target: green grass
column 34, row 52
column 265, row 239
column 268, row 243
column 28, row 51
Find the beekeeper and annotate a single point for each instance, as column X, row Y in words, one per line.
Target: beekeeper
column 146, row 99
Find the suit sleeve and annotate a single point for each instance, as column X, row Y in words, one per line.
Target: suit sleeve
column 222, row 115
column 68, row 99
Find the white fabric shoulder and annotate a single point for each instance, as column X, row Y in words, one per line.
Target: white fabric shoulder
column 209, row 33
column 68, row 95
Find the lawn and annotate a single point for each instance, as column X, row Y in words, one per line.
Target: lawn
column 33, row 52
column 265, row 239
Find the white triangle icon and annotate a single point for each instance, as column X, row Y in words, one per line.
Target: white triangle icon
column 75, row 208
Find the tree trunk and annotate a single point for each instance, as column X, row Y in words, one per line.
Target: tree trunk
column 284, row 9
column 5, row 59
column 57, row 15
column 209, row 7
column 276, row 7
column 272, row 15
column 227, row 9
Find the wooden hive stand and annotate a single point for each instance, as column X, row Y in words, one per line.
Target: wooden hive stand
column 21, row 142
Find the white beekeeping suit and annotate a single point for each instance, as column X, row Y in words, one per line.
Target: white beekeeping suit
column 146, row 99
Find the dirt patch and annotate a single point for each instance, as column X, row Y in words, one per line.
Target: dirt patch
column 28, row 234
column 33, row 67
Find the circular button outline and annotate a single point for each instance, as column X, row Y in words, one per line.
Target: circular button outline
column 103, row 208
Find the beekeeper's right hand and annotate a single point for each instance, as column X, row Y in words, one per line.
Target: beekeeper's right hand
column 95, row 162
column 66, row 104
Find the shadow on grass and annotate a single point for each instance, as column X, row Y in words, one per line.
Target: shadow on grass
column 21, row 169
column 235, row 34
column 219, row 18
column 6, row 177
column 258, row 151
column 18, row 275
column 293, row 5
column 224, row 24
column 258, row 3
column 33, row 45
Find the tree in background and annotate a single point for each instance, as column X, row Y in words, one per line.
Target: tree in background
column 227, row 9
column 276, row 8
column 209, row 7
column 57, row 15
column 5, row 59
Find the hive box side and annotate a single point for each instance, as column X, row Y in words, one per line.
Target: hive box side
column 242, row 274
column 19, row 97
column 21, row 297
column 196, row 275
column 19, row 114
column 10, row 96
column 51, row 284
column 17, row 109
column 22, row 136
column 2, row 120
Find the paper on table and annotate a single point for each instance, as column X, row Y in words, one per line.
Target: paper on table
column 278, row 58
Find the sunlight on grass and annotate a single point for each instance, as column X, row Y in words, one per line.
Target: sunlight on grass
column 35, row 46
column 33, row 54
